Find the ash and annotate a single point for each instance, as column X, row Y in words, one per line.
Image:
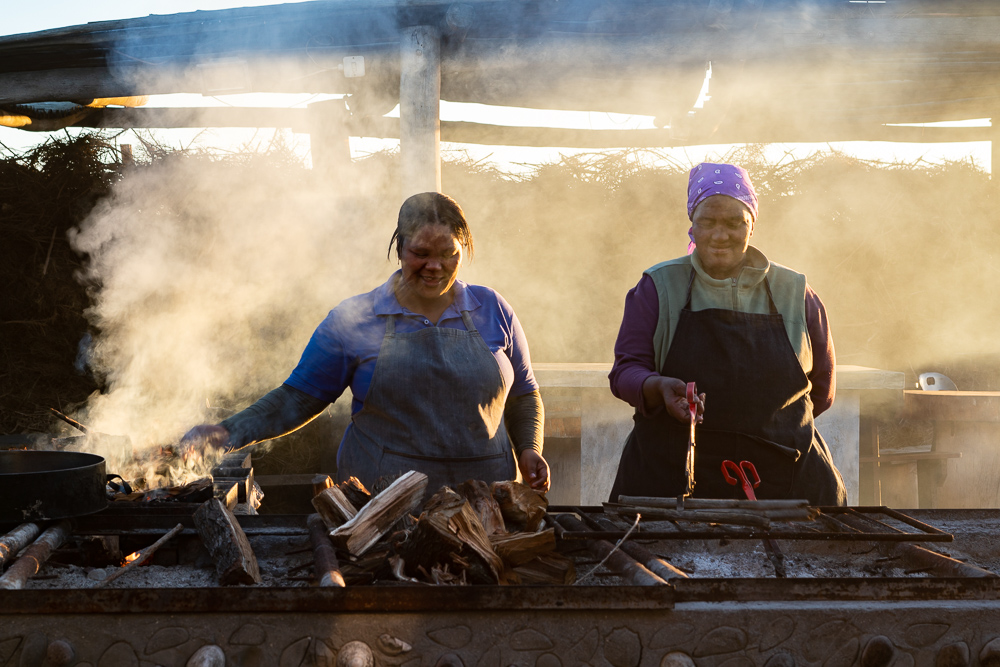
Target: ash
column 279, row 559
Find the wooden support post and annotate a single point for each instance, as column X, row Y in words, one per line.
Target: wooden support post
column 419, row 110
column 329, row 139
column 995, row 154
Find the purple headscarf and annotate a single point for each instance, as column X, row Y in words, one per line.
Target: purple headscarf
column 709, row 179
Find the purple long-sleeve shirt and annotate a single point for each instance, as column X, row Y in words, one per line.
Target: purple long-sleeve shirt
column 634, row 354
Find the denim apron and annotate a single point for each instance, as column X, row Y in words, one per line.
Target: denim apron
column 435, row 405
column 758, row 410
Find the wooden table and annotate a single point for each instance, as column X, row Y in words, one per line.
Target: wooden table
column 586, row 426
column 965, row 470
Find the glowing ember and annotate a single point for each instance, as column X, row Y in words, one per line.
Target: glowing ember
column 132, row 556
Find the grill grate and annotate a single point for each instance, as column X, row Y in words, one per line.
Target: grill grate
column 846, row 524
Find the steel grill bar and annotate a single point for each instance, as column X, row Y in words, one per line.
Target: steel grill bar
column 829, row 514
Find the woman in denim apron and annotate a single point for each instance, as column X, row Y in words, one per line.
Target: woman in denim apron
column 439, row 371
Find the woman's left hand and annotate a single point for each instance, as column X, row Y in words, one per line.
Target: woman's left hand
column 534, row 470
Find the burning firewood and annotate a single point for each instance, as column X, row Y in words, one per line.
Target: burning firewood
column 355, row 492
column 521, row 506
column 224, row 538
column 197, row 491
column 449, row 533
column 484, row 505
column 376, row 518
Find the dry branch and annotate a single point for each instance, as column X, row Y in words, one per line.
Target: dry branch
column 144, row 556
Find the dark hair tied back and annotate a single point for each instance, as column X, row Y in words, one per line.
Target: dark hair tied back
column 429, row 208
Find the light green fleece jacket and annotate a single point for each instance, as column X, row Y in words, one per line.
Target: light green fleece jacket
column 744, row 293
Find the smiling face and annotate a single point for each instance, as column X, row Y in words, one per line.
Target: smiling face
column 430, row 259
column 722, row 227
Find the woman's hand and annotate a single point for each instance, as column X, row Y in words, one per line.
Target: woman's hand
column 534, row 470
column 671, row 393
column 202, row 437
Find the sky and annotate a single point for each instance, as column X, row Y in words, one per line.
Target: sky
column 21, row 17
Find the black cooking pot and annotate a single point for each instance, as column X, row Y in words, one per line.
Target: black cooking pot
column 36, row 486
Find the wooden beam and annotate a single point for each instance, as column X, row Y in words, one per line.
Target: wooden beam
column 497, row 135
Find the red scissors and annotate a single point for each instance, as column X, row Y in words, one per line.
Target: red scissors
column 744, row 473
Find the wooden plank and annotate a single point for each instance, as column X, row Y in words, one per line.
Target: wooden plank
column 953, row 406
column 222, row 535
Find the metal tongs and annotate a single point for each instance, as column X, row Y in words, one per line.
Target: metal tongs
column 692, row 399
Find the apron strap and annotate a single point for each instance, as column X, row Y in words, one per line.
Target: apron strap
column 390, row 325
column 467, row 320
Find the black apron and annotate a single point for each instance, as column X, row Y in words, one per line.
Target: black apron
column 758, row 409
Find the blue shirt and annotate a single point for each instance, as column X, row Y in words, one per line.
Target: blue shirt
column 344, row 348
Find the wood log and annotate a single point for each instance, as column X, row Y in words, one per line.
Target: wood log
column 550, row 568
column 449, row 536
column 478, row 493
column 616, row 560
column 355, row 492
column 521, row 506
column 518, row 548
column 15, row 540
column 333, row 507
column 377, row 517
column 657, row 565
column 35, row 556
column 320, row 483
column 327, row 568
column 222, row 535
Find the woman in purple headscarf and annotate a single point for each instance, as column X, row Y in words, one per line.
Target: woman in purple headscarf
column 755, row 339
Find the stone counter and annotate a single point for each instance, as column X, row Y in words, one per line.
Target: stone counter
column 586, row 426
